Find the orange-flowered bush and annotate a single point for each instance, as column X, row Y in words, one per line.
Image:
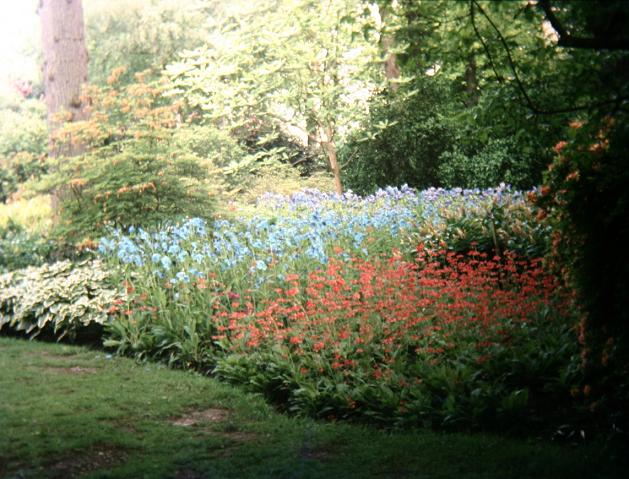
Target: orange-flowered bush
column 125, row 169
column 586, row 199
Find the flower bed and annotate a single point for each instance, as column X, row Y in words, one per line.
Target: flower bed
column 321, row 303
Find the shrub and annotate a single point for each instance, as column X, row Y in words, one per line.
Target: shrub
column 23, row 129
column 62, row 299
column 19, row 248
column 23, row 140
column 402, row 143
column 587, row 200
column 422, row 137
column 498, row 161
column 129, row 174
column 127, row 189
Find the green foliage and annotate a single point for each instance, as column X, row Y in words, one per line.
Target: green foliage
column 131, row 172
column 274, row 67
column 20, row 248
column 141, row 34
column 8, row 183
column 471, row 127
column 496, row 141
column 24, row 234
column 59, row 299
column 403, row 140
column 17, row 169
column 23, row 138
column 32, row 214
column 23, row 129
column 423, row 137
column 507, row 387
column 586, row 195
column 236, row 159
column 213, row 145
column 131, row 188
column 532, row 84
column 587, row 199
column 499, row 160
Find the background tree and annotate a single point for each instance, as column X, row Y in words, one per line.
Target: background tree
column 300, row 66
column 490, row 136
column 142, row 35
column 65, row 59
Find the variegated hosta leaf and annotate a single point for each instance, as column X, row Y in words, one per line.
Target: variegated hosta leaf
column 62, row 297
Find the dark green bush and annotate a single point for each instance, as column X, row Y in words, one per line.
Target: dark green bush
column 500, row 160
column 403, row 141
column 587, row 199
column 423, row 137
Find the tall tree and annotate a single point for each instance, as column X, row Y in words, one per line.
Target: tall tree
column 387, row 43
column 290, row 63
column 65, row 61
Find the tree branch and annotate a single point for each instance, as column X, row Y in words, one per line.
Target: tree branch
column 617, row 102
column 525, row 95
column 485, row 47
column 568, row 41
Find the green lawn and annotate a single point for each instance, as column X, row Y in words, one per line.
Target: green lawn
column 73, row 412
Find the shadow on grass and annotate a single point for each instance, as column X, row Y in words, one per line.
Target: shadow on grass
column 69, row 411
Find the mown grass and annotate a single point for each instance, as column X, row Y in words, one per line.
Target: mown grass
column 73, row 412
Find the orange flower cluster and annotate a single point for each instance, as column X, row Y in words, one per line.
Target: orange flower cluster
column 386, row 307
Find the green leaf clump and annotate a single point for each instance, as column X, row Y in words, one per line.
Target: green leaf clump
column 59, row 299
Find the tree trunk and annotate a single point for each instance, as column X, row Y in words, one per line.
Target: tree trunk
column 311, row 129
column 65, row 62
column 471, row 81
column 330, row 150
column 391, row 68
